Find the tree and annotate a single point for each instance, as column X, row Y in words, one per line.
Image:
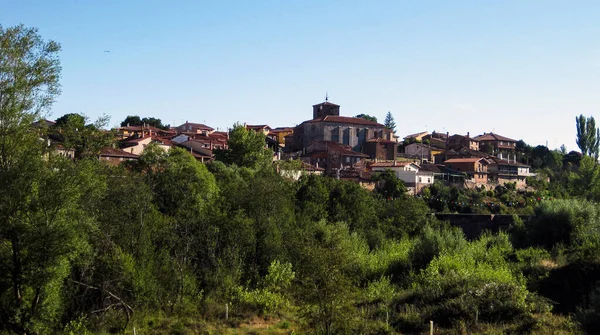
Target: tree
column 588, row 136
column 36, row 243
column 367, row 117
column 131, row 120
column 134, row 120
column 247, row 148
column 87, row 140
column 389, row 122
column 392, row 186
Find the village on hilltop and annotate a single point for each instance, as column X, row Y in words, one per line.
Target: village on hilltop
column 350, row 148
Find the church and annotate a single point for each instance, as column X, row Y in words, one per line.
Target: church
column 366, row 137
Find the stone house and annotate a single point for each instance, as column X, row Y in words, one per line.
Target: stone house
column 498, row 145
column 331, row 156
column 474, row 167
column 457, row 141
column 115, row 157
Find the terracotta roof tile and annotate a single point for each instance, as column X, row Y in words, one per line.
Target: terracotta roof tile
column 493, row 137
column 465, row 160
column 112, row 152
column 345, row 119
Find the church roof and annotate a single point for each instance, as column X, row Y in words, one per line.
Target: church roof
column 346, row 119
column 326, row 103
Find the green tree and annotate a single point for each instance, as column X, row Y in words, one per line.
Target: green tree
column 328, row 270
column 87, row 140
column 391, row 187
column 367, row 117
column 247, row 148
column 29, row 73
column 389, row 122
column 134, row 120
column 588, row 136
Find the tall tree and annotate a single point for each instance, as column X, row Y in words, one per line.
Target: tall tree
column 246, row 148
column 389, row 122
column 367, row 117
column 38, row 196
column 588, row 136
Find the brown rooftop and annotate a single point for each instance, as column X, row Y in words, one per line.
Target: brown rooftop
column 112, row 152
column 493, row 137
column 326, row 103
column 345, row 119
column 465, row 160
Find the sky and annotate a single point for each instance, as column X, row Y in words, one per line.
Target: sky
column 522, row 69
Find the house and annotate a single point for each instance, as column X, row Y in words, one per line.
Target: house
column 43, row 123
column 331, row 156
column 457, row 141
column 142, row 131
column 198, row 150
column 417, row 137
column 328, row 125
column 281, row 133
column 262, row 128
column 498, row 145
column 137, row 145
column 358, row 175
column 413, row 176
column 419, row 150
column 474, row 167
column 502, row 171
column 379, row 148
column 304, row 169
column 441, row 157
column 194, row 128
column 115, row 157
column 215, row 140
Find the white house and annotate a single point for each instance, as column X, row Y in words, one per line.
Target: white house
column 410, row 173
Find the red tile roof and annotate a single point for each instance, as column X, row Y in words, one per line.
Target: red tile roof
column 381, row 140
column 390, row 164
column 197, row 126
column 282, row 129
column 465, row 160
column 505, row 162
column 309, row 167
column 327, row 103
column 463, row 136
column 493, row 137
column 112, row 152
column 132, row 141
column 258, row 126
column 345, row 119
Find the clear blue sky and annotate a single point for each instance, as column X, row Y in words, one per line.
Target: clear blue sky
column 523, row 69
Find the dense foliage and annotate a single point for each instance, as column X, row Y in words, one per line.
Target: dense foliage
column 86, row 247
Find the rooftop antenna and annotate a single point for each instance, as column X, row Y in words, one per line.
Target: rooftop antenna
column 326, row 96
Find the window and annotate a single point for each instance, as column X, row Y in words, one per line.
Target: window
column 419, row 179
column 428, row 180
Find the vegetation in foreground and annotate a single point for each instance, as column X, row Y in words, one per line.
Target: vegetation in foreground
column 169, row 245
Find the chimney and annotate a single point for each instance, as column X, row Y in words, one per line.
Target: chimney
column 468, row 135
